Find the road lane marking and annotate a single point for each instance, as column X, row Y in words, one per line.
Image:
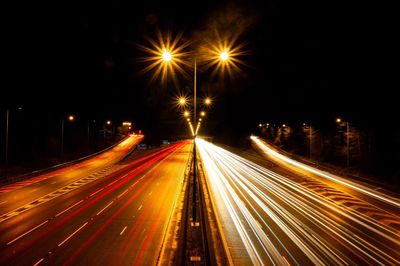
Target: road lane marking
column 105, row 207
column 53, row 183
column 120, row 195
column 3, row 202
column 68, row 208
column 140, row 207
column 95, row 192
column 123, row 230
column 24, row 234
column 65, row 240
column 39, row 261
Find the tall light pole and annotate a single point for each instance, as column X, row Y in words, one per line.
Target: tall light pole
column 166, row 57
column 70, row 118
column 339, row 120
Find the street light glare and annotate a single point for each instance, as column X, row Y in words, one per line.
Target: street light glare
column 203, row 113
column 186, row 113
column 207, row 101
column 224, row 56
column 71, row 118
column 166, row 55
column 338, row 120
column 182, row 101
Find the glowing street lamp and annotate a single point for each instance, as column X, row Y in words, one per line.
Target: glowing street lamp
column 202, row 113
column 207, row 101
column 224, row 56
column 182, row 101
column 186, row 114
column 166, row 56
column 70, row 118
column 339, row 120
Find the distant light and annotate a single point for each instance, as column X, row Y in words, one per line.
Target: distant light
column 188, row 119
column 71, row 118
column 224, row 56
column 166, row 56
column 200, row 119
column 108, row 122
column 304, row 124
column 207, row 101
column 284, row 125
column 202, row 113
column 127, row 124
column 259, row 125
column 338, row 120
column 186, row 113
column 182, row 101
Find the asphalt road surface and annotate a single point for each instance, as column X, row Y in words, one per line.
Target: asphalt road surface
column 116, row 216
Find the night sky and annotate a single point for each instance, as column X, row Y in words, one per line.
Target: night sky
column 305, row 61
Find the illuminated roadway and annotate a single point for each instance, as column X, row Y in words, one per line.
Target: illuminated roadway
column 278, row 217
column 113, row 217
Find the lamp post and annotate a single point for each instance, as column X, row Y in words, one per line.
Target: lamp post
column 339, row 120
column 70, row 118
column 166, row 57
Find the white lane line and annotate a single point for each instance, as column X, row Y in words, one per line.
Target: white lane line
column 53, row 183
column 105, row 207
column 24, row 234
column 3, row 202
column 39, row 261
column 120, row 195
column 140, row 207
column 112, row 183
column 77, row 230
column 95, row 192
column 33, row 190
column 123, row 230
column 69, row 208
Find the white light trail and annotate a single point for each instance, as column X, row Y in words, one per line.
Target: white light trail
column 277, row 218
column 360, row 188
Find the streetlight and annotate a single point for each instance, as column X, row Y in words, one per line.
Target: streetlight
column 167, row 56
column 207, row 101
column 310, row 137
column 339, row 120
column 70, row 118
column 182, row 101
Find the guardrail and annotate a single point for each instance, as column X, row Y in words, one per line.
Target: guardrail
column 14, row 179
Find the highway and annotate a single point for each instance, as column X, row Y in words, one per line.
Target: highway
column 271, row 215
column 116, row 216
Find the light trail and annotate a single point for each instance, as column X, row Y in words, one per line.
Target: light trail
column 358, row 187
column 277, row 219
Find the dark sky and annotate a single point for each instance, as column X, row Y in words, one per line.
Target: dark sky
column 306, row 60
